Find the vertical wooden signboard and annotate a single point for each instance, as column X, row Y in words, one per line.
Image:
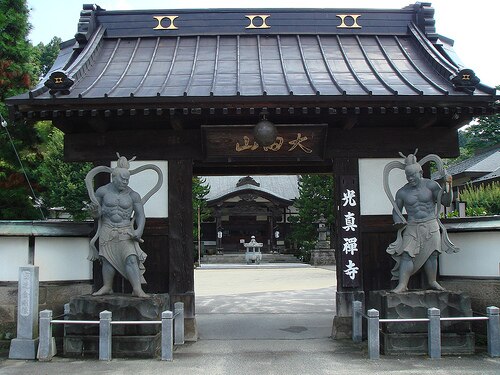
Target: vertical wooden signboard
column 350, row 259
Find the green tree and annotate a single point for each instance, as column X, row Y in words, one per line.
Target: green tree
column 47, row 54
column 18, row 70
column 315, row 198
column 482, row 134
column 200, row 190
column 62, row 183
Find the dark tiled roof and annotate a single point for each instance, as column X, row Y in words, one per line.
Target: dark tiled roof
column 493, row 176
column 485, row 162
column 284, row 187
column 212, row 54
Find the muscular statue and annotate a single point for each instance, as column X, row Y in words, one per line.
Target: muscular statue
column 419, row 240
column 121, row 220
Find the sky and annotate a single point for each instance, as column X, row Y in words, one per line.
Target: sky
column 473, row 25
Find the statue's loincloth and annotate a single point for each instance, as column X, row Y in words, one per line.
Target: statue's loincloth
column 417, row 239
column 116, row 245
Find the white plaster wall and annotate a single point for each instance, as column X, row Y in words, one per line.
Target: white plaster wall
column 143, row 182
column 479, row 255
column 373, row 200
column 63, row 258
column 14, row 252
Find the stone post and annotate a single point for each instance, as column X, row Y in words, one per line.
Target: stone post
column 105, row 336
column 357, row 321
column 493, row 331
column 179, row 323
column 25, row 345
column 167, row 337
column 434, row 332
column 373, row 334
column 47, row 347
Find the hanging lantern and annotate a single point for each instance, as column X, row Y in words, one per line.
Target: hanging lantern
column 265, row 132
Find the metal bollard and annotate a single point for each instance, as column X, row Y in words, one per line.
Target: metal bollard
column 179, row 323
column 105, row 335
column 373, row 334
column 434, row 332
column 46, row 347
column 493, row 331
column 357, row 321
column 167, row 337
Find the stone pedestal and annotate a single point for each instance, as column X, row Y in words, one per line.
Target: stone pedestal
column 411, row 338
column 342, row 321
column 323, row 257
column 138, row 340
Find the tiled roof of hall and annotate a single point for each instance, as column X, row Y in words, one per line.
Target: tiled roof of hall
column 225, row 54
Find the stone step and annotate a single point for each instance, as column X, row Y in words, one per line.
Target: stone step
column 240, row 258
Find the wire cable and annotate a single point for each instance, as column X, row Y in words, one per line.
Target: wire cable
column 4, row 125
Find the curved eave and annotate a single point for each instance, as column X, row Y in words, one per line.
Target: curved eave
column 247, row 189
column 209, row 71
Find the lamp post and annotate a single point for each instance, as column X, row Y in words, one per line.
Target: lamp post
column 219, row 240
column 276, row 237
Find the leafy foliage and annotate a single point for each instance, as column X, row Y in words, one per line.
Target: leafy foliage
column 63, row 183
column 315, row 198
column 482, row 134
column 21, row 65
column 482, row 200
column 17, row 67
column 47, row 54
column 17, row 71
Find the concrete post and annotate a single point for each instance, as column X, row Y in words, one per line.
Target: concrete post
column 47, row 347
column 105, row 335
column 167, row 337
column 357, row 321
column 25, row 345
column 179, row 323
column 66, row 315
column 434, row 332
column 373, row 334
column 493, row 331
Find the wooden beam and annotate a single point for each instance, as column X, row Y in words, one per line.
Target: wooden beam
column 349, row 123
column 146, row 144
column 360, row 142
column 425, row 121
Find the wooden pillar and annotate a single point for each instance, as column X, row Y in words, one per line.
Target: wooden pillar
column 270, row 218
column 181, row 248
column 347, row 244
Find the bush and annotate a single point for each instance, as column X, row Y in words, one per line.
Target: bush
column 482, row 200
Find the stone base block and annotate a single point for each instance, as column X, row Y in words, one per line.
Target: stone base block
column 121, row 346
column 137, row 340
column 342, row 327
column 123, row 307
column 414, row 304
column 190, row 330
column 322, row 257
column 23, row 348
column 416, row 343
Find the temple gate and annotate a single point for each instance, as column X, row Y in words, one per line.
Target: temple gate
column 343, row 90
